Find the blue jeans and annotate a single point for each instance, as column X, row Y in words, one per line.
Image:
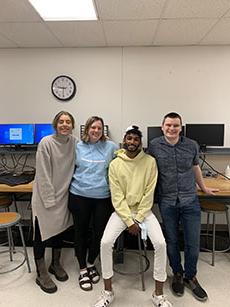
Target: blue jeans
column 188, row 215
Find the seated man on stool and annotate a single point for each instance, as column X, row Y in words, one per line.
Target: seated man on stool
column 132, row 177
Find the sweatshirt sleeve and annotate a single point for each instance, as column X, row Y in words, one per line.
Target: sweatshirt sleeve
column 44, row 177
column 147, row 199
column 118, row 198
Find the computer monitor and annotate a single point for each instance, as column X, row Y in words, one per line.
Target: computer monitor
column 16, row 134
column 154, row 132
column 206, row 134
column 42, row 130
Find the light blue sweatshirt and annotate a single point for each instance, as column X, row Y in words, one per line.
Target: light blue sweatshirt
column 90, row 178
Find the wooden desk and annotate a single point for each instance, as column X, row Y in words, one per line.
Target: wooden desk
column 220, row 183
column 21, row 188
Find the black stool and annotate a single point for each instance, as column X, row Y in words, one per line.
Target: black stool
column 214, row 208
column 120, row 253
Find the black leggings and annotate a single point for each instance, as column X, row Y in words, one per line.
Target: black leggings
column 39, row 246
column 90, row 216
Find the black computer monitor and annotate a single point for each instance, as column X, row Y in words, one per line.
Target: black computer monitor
column 154, row 132
column 16, row 134
column 206, row 134
column 42, row 130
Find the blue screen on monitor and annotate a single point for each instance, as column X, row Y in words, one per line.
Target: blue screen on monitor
column 42, row 130
column 16, row 134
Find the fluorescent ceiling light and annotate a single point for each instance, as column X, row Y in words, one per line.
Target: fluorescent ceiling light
column 65, row 9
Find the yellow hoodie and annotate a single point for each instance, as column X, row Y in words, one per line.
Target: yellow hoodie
column 132, row 184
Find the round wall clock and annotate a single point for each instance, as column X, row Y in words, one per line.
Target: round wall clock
column 63, row 88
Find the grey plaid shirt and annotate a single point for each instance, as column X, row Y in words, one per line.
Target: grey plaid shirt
column 175, row 163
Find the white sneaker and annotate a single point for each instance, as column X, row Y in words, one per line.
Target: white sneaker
column 161, row 301
column 105, row 299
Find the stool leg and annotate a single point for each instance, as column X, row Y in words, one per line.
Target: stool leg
column 207, row 229
column 119, row 251
column 15, row 202
column 10, row 242
column 141, row 263
column 30, row 226
column 24, row 246
column 213, row 239
column 228, row 224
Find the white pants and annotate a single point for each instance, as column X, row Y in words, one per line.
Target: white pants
column 114, row 228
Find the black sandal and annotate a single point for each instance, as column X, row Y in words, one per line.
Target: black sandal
column 93, row 274
column 85, row 280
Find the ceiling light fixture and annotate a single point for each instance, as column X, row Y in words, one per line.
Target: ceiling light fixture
column 65, row 9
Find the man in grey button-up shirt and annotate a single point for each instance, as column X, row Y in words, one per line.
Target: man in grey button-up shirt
column 178, row 172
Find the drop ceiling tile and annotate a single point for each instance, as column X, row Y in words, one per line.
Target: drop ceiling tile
column 6, row 43
column 182, row 31
column 78, row 33
column 195, row 8
column 129, row 9
column 29, row 34
column 130, row 33
column 220, row 34
column 17, row 11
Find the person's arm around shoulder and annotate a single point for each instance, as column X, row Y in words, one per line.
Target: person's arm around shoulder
column 200, row 181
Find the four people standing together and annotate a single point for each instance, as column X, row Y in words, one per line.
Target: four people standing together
column 131, row 177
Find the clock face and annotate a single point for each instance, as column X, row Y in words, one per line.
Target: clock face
column 63, row 88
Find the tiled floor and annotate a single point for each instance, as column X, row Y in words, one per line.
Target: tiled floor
column 18, row 289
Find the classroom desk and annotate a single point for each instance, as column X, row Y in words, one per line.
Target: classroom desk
column 220, row 183
column 13, row 190
column 21, row 188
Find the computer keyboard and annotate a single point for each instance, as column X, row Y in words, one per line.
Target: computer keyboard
column 12, row 179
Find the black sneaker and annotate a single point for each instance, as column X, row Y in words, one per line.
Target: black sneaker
column 198, row 292
column 177, row 284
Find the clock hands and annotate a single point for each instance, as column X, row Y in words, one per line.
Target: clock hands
column 63, row 88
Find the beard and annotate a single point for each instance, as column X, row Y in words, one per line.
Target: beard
column 131, row 148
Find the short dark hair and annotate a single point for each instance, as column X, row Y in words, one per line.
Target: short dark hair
column 58, row 115
column 133, row 130
column 172, row 115
column 89, row 122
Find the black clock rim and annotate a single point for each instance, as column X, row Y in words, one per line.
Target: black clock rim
column 74, row 88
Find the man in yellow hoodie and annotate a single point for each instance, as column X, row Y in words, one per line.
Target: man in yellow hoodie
column 132, row 178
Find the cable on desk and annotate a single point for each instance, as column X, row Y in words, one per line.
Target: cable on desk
column 203, row 158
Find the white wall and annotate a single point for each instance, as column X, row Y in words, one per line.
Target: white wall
column 123, row 85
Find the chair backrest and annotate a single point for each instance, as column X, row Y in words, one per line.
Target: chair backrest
column 5, row 201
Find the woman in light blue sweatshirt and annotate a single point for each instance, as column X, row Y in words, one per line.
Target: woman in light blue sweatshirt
column 89, row 200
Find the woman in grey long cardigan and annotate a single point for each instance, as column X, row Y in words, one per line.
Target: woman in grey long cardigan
column 55, row 161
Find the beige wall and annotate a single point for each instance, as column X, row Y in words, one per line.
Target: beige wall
column 123, row 85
